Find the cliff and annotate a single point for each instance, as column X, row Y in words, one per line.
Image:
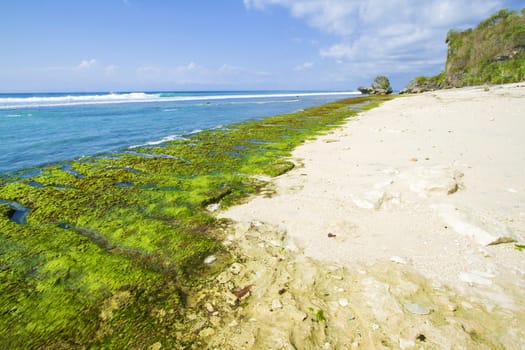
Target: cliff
column 491, row 53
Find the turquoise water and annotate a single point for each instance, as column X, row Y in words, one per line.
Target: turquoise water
column 38, row 129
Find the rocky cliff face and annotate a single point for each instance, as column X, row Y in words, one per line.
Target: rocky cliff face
column 491, row 53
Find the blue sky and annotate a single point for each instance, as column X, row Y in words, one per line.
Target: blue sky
column 123, row 45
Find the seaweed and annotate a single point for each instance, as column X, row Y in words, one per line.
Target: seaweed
column 112, row 246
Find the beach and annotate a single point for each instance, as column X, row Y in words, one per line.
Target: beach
column 400, row 229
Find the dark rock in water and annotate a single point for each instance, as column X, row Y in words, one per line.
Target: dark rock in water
column 380, row 86
column 365, row 90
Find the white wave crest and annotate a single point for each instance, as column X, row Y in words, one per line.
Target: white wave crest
column 158, row 142
column 73, row 100
column 134, row 97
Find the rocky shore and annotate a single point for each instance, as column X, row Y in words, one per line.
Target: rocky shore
column 402, row 229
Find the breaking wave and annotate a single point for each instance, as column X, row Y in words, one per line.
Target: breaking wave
column 13, row 102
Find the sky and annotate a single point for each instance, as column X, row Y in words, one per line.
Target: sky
column 154, row 45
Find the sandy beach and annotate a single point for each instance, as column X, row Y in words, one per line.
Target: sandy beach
column 397, row 230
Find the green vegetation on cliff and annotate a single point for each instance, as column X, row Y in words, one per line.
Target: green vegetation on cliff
column 103, row 252
column 491, row 53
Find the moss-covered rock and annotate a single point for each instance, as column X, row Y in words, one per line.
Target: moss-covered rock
column 380, row 86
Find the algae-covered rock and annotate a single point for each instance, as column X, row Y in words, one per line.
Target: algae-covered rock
column 380, row 86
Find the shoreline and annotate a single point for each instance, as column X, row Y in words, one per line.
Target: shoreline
column 111, row 251
column 419, row 202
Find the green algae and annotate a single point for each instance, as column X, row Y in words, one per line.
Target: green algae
column 101, row 264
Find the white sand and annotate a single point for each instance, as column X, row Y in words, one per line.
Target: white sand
column 427, row 180
column 412, row 193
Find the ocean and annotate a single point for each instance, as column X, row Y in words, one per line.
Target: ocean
column 43, row 128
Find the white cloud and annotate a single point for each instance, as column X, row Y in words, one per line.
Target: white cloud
column 86, row 64
column 229, row 69
column 190, row 67
column 304, row 66
column 391, row 36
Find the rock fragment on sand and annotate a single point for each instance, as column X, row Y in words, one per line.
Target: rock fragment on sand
column 207, row 332
column 417, row 309
column 230, row 298
column 155, row 346
column 209, row 307
column 224, row 277
column 276, row 304
column 398, row 260
column 235, row 268
column 483, row 230
column 343, row 302
column 243, row 292
column 406, row 343
column 476, row 278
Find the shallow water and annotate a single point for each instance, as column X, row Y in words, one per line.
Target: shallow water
column 37, row 129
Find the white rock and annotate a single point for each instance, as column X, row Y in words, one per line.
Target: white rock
column 484, row 231
column 406, row 343
column 209, row 307
column 343, row 302
column 210, row 259
column 398, row 260
column 235, row 268
column 476, row 277
column 417, row 309
column 213, row 207
column 276, row 304
column 230, row 298
column 275, row 243
column 467, row 305
column 224, row 277
column 207, row 332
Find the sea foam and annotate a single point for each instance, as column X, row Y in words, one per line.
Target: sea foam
column 142, row 97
